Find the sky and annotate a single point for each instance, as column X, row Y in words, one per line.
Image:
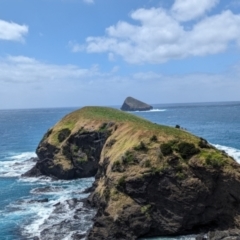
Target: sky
column 70, row 53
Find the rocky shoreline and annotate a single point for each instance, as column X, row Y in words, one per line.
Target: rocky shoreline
column 86, row 207
column 151, row 180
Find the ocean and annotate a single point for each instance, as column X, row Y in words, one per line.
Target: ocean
column 29, row 206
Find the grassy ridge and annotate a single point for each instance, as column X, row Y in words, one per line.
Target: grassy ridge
column 106, row 114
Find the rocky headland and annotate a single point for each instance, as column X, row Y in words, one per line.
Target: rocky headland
column 150, row 180
column 132, row 104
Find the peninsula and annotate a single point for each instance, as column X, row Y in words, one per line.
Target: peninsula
column 150, row 180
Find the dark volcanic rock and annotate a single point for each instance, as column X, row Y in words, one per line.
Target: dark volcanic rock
column 132, row 104
column 66, row 154
column 175, row 185
column 80, row 150
column 69, row 220
column 164, row 205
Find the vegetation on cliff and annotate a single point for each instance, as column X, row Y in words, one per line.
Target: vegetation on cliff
column 150, row 179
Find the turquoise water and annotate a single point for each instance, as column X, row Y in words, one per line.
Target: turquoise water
column 23, row 216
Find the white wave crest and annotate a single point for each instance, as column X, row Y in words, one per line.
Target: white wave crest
column 233, row 152
column 153, row 110
column 57, row 215
column 16, row 165
column 158, row 110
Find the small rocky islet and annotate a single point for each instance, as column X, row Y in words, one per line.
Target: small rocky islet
column 150, row 179
column 132, row 104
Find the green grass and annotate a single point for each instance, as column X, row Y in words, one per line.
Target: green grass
column 111, row 114
column 101, row 116
column 145, row 209
column 82, row 159
column 181, row 175
column 214, row 158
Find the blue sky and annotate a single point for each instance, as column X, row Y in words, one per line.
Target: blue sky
column 63, row 53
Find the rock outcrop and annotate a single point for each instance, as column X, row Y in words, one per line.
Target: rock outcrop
column 132, row 104
column 151, row 180
column 69, row 152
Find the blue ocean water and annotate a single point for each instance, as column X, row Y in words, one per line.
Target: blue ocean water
column 27, row 204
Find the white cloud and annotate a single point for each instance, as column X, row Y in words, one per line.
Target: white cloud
column 88, row 1
column 75, row 47
column 159, row 37
column 185, row 10
column 12, row 31
column 22, row 69
column 27, row 83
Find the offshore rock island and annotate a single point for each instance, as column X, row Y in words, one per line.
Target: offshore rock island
column 132, row 104
column 150, row 180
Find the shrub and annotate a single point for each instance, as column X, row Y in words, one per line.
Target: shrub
column 153, row 138
column 215, row 160
column 181, row 175
column 166, row 149
column 147, row 164
column 63, row 134
column 141, row 147
column 82, row 159
column 117, row 163
column 103, row 127
column 187, row 150
column 116, row 167
column 145, row 209
column 122, row 182
column 106, row 193
column 74, row 148
column 158, row 170
column 128, row 158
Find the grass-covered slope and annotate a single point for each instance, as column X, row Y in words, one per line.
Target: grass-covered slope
column 131, row 135
column 131, row 132
column 93, row 117
column 150, row 179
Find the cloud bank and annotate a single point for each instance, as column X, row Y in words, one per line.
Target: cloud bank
column 162, row 35
column 21, row 69
column 27, row 82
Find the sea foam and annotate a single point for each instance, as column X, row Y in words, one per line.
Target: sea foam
column 233, row 152
column 63, row 214
column 153, row 110
column 14, row 166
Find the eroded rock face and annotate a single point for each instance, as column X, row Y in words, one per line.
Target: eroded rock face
column 76, row 157
column 132, row 104
column 165, row 204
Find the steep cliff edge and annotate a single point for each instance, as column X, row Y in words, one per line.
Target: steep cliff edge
column 151, row 180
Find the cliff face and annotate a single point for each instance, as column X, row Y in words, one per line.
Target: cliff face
column 132, row 104
column 151, row 180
